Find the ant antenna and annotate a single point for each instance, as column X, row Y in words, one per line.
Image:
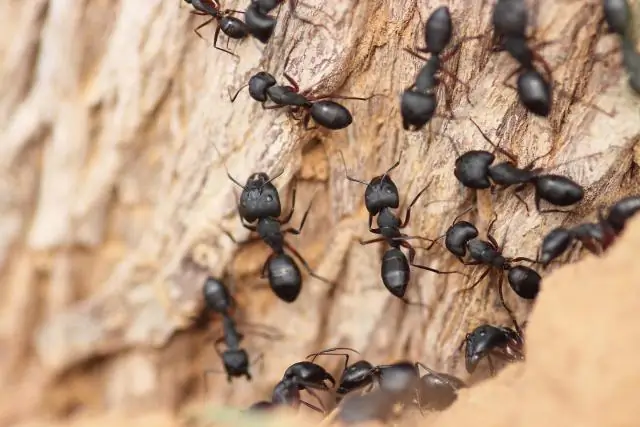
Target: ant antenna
column 277, row 175
column 227, row 169
column 234, row 96
column 510, row 155
column 347, row 173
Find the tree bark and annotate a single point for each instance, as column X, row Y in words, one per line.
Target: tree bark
column 116, row 133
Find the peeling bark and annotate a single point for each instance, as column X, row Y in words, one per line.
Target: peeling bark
column 114, row 196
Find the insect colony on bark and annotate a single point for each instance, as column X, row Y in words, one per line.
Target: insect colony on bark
column 365, row 391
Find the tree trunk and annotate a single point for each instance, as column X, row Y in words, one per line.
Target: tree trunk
column 116, row 129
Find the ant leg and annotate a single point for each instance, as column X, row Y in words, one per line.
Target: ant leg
column 532, row 162
column 204, row 24
column 310, row 406
column 294, row 84
column 453, row 76
column 368, row 242
column 215, row 43
column 413, row 53
column 412, row 255
column 504, row 304
column 517, row 191
column 304, row 219
column 407, row 215
column 233, row 98
column 482, row 276
column 522, row 258
column 504, row 151
column 492, row 369
column 434, row 241
column 306, row 265
column 305, row 122
column 286, row 219
column 513, row 73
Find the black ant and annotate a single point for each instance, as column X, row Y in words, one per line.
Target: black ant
column 235, row 359
column 299, row 376
column 280, row 268
column 510, row 20
column 260, row 202
column 487, row 341
column 418, row 102
column 218, row 299
column 595, row 237
column 233, row 27
column 474, row 169
column 326, row 113
column 381, row 196
column 462, row 237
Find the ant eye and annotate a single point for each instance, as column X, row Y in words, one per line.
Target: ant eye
column 269, row 198
column 388, row 190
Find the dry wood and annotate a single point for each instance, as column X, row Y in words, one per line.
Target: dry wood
column 114, row 197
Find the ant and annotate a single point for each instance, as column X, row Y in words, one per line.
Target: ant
column 487, row 340
column 261, row 24
column 418, row 101
column 235, row 359
column 510, row 20
column 381, row 196
column 462, row 237
column 474, row 169
column 324, row 112
column 280, row 268
column 230, row 25
column 218, row 299
column 260, row 201
column 595, row 237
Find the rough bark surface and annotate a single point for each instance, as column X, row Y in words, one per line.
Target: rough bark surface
column 114, row 196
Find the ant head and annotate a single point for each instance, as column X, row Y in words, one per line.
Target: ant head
column 216, row 295
column 478, row 343
column 258, row 85
column 438, row 30
column 236, row 362
column 259, row 198
column 261, row 26
column 524, row 281
column 472, row 169
column 381, row 193
column 534, row 92
column 416, row 109
column 307, row 371
column 510, row 18
column 457, row 237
